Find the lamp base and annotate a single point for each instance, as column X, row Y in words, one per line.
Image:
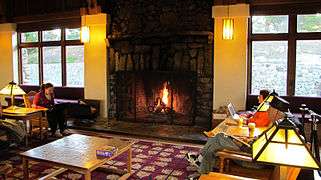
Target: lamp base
column 285, row 173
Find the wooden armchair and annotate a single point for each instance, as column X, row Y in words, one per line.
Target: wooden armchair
column 225, row 156
column 34, row 127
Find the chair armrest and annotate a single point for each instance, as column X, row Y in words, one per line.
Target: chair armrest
column 226, row 154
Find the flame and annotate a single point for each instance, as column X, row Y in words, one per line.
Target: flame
column 165, row 94
column 158, row 102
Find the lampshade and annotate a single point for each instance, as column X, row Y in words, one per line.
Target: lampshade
column 275, row 101
column 282, row 145
column 12, row 89
column 85, row 34
column 228, row 28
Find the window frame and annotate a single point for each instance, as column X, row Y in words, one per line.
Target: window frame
column 291, row 37
column 63, row 43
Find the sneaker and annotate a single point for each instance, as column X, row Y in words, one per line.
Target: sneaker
column 192, row 159
column 58, row 135
column 194, row 176
column 66, row 132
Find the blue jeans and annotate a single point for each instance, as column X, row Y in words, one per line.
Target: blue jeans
column 219, row 142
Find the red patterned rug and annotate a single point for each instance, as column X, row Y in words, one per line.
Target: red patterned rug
column 151, row 160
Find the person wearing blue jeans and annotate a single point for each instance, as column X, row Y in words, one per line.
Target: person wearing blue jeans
column 206, row 160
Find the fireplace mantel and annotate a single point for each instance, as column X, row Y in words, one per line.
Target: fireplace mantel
column 159, row 35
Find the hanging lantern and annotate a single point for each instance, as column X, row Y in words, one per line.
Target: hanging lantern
column 228, row 28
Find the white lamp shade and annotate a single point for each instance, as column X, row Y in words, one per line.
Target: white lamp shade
column 228, row 28
column 12, row 89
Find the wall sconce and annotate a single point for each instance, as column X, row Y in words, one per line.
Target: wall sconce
column 228, row 28
column 85, row 34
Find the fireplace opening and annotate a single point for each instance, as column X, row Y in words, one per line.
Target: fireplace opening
column 164, row 102
column 156, row 97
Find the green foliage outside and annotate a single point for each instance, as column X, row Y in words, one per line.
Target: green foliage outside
column 30, row 37
column 31, row 55
column 309, row 23
column 53, row 35
column 52, row 54
column 74, row 55
column 73, row 34
column 279, row 24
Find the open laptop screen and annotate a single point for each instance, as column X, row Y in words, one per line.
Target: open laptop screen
column 232, row 111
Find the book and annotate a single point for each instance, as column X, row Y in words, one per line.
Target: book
column 106, row 151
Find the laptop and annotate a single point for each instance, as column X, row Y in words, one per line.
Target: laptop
column 232, row 111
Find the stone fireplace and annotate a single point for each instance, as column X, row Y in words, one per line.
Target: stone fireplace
column 160, row 64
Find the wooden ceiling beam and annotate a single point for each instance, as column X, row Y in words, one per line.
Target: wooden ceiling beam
column 92, row 8
column 282, row 2
column 263, row 2
column 230, row 2
column 47, row 17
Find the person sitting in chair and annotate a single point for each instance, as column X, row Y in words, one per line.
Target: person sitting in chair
column 55, row 115
column 205, row 161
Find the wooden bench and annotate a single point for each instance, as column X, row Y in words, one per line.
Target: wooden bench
column 225, row 156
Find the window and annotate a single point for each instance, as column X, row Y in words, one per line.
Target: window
column 52, row 65
column 269, row 24
column 309, row 23
column 75, row 65
column 55, row 56
column 308, row 68
column 30, row 66
column 29, row 37
column 286, row 56
column 52, row 35
column 73, row 34
column 267, row 72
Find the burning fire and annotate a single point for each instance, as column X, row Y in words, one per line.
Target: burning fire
column 165, row 94
column 162, row 102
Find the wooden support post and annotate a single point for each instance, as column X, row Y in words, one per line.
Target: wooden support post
column 25, row 165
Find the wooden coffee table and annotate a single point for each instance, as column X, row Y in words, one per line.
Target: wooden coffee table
column 76, row 152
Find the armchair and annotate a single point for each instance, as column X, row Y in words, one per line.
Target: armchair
column 35, row 123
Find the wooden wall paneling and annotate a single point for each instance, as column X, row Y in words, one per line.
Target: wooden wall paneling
column 71, row 5
column 37, row 6
column 19, row 7
column 278, row 2
column 54, row 6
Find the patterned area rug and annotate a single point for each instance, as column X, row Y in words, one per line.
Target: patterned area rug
column 150, row 160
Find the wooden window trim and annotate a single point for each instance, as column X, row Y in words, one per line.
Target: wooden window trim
column 40, row 44
column 292, row 37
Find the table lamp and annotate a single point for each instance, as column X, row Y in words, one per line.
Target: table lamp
column 275, row 101
column 282, row 145
column 12, row 89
